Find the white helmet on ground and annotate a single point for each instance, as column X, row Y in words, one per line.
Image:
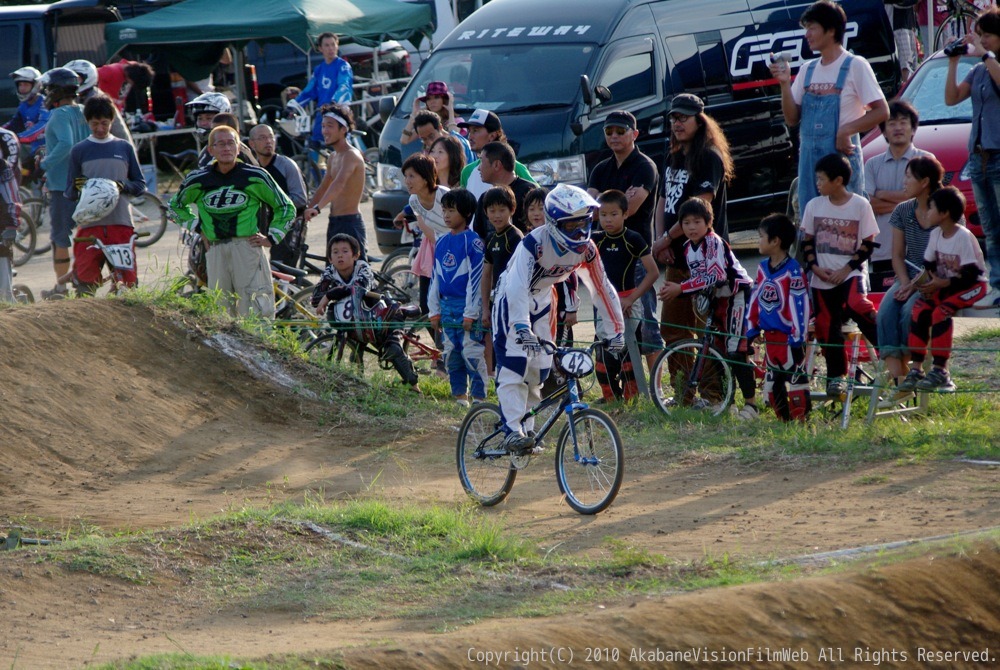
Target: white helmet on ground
column 29, row 74
column 98, row 198
column 87, row 71
column 569, row 210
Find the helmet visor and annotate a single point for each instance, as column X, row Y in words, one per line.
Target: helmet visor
column 576, row 228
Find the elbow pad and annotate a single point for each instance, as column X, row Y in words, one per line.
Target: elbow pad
column 809, row 252
column 868, row 247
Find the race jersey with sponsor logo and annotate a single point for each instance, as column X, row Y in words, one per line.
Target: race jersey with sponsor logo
column 228, row 205
column 538, row 264
column 712, row 263
column 780, row 301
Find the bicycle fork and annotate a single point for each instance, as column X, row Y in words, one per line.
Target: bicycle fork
column 574, row 404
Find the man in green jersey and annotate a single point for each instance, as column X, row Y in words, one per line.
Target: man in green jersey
column 228, row 195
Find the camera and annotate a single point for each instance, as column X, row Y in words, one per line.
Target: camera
column 783, row 57
column 956, row 48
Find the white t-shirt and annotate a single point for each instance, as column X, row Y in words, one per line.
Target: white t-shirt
column 951, row 253
column 838, row 231
column 433, row 217
column 861, row 88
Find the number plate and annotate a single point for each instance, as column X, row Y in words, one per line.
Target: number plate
column 576, row 363
column 120, row 256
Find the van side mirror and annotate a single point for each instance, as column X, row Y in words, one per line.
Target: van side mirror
column 588, row 97
column 385, row 107
column 603, row 93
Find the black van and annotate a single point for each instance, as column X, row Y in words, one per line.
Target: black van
column 523, row 59
column 44, row 36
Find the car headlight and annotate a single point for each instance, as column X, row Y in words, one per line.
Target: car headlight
column 569, row 169
column 390, row 177
column 964, row 174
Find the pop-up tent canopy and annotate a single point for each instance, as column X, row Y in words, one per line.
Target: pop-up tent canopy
column 194, row 32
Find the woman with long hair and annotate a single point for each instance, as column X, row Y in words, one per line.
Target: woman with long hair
column 911, row 230
column 449, row 160
column 421, row 180
column 982, row 84
column 699, row 165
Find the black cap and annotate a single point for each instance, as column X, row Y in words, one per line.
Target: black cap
column 620, row 119
column 484, row 118
column 687, row 104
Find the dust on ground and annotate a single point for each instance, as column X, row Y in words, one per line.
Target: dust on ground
column 120, row 417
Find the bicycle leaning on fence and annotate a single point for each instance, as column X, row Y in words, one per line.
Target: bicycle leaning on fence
column 590, row 458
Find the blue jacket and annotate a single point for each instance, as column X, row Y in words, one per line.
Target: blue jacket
column 332, row 82
column 458, row 270
column 65, row 128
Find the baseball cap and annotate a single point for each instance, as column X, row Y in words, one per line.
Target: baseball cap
column 620, row 119
column 686, row 104
column 484, row 118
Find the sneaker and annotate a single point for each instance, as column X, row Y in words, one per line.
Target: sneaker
column 58, row 292
column 835, row 387
column 462, row 402
column 937, row 380
column 909, row 384
column 701, row 404
column 991, row 299
column 747, row 413
column 516, row 443
column 539, row 446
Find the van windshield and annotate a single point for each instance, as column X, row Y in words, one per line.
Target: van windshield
column 504, row 78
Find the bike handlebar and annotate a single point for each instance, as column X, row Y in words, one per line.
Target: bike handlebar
column 91, row 238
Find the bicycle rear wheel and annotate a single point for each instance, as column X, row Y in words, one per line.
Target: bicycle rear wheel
column 25, row 242
column 675, row 383
column 484, row 466
column 400, row 256
column 405, row 284
column 149, row 215
column 332, row 346
column 590, row 461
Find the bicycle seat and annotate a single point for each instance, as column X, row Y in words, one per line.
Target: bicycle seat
column 409, row 311
column 277, row 266
column 186, row 155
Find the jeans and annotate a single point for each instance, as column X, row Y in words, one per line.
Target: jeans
column 893, row 322
column 986, row 187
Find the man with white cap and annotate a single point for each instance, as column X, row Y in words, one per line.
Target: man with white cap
column 484, row 127
column 344, row 180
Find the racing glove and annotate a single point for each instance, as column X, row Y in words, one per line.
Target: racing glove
column 527, row 339
column 616, row 344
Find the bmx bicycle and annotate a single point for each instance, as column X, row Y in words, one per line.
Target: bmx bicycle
column 590, row 458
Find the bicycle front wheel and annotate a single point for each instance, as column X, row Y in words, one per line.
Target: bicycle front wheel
column 952, row 28
column 484, row 466
column 38, row 210
column 689, row 375
column 149, row 215
column 590, row 461
column 25, row 242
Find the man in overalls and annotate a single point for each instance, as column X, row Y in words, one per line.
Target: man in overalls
column 834, row 99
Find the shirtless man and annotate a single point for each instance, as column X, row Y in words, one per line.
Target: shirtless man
column 344, row 181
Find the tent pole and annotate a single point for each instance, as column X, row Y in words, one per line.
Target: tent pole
column 240, row 84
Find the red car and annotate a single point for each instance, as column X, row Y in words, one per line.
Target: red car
column 943, row 131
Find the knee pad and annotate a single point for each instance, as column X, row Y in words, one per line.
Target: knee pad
column 799, row 401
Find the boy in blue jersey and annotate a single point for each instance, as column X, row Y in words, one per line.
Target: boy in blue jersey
column 454, row 298
column 779, row 313
column 332, row 81
column 29, row 119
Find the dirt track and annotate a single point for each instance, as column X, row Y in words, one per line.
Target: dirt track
column 161, row 428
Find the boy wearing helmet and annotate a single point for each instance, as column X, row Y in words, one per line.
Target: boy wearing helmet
column 87, row 72
column 103, row 156
column 204, row 108
column 29, row 120
column 523, row 311
column 66, row 127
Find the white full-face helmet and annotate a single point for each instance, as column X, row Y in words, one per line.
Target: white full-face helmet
column 98, row 198
column 569, row 211
column 28, row 74
column 87, row 72
column 213, row 102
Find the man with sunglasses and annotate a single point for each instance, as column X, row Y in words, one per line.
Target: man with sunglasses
column 634, row 174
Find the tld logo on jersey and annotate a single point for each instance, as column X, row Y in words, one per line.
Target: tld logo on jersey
column 770, row 297
column 225, row 199
column 756, row 48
